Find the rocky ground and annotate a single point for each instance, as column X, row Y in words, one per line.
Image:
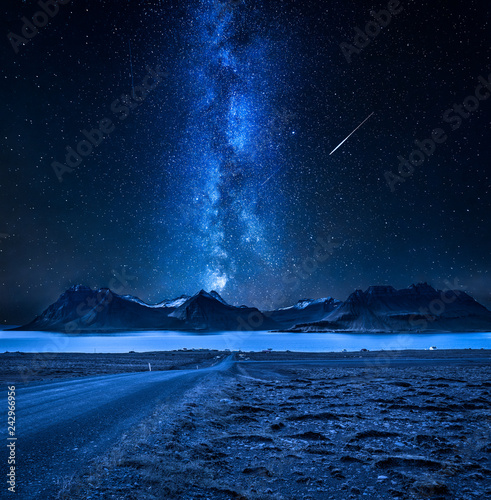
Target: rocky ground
column 23, row 368
column 20, row 367
column 310, row 432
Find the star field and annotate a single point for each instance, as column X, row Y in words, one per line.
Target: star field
column 219, row 176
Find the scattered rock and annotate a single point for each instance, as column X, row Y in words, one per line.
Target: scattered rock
column 408, row 461
column 401, row 384
column 277, row 426
column 350, row 458
column 373, row 433
column 431, row 487
column 317, row 416
column 316, row 436
column 338, row 474
column 258, row 471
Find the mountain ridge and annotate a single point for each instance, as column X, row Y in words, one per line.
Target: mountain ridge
column 420, row 307
column 380, row 308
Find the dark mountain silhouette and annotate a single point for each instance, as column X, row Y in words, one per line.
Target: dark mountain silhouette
column 416, row 308
column 82, row 309
column 378, row 309
column 205, row 311
column 304, row 311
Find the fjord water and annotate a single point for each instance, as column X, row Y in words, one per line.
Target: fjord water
column 30, row 341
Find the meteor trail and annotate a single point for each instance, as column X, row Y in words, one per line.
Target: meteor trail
column 131, row 66
column 341, row 143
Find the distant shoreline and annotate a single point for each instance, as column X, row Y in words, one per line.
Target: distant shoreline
column 22, row 367
column 109, row 331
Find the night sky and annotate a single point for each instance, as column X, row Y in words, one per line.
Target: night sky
column 218, row 175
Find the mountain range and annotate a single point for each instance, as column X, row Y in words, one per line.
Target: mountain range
column 378, row 309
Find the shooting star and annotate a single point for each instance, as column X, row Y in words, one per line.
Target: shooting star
column 131, row 67
column 272, row 175
column 341, row 143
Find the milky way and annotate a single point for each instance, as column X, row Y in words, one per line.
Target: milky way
column 232, row 143
column 221, row 176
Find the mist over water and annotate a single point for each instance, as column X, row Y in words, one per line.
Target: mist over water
column 245, row 341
